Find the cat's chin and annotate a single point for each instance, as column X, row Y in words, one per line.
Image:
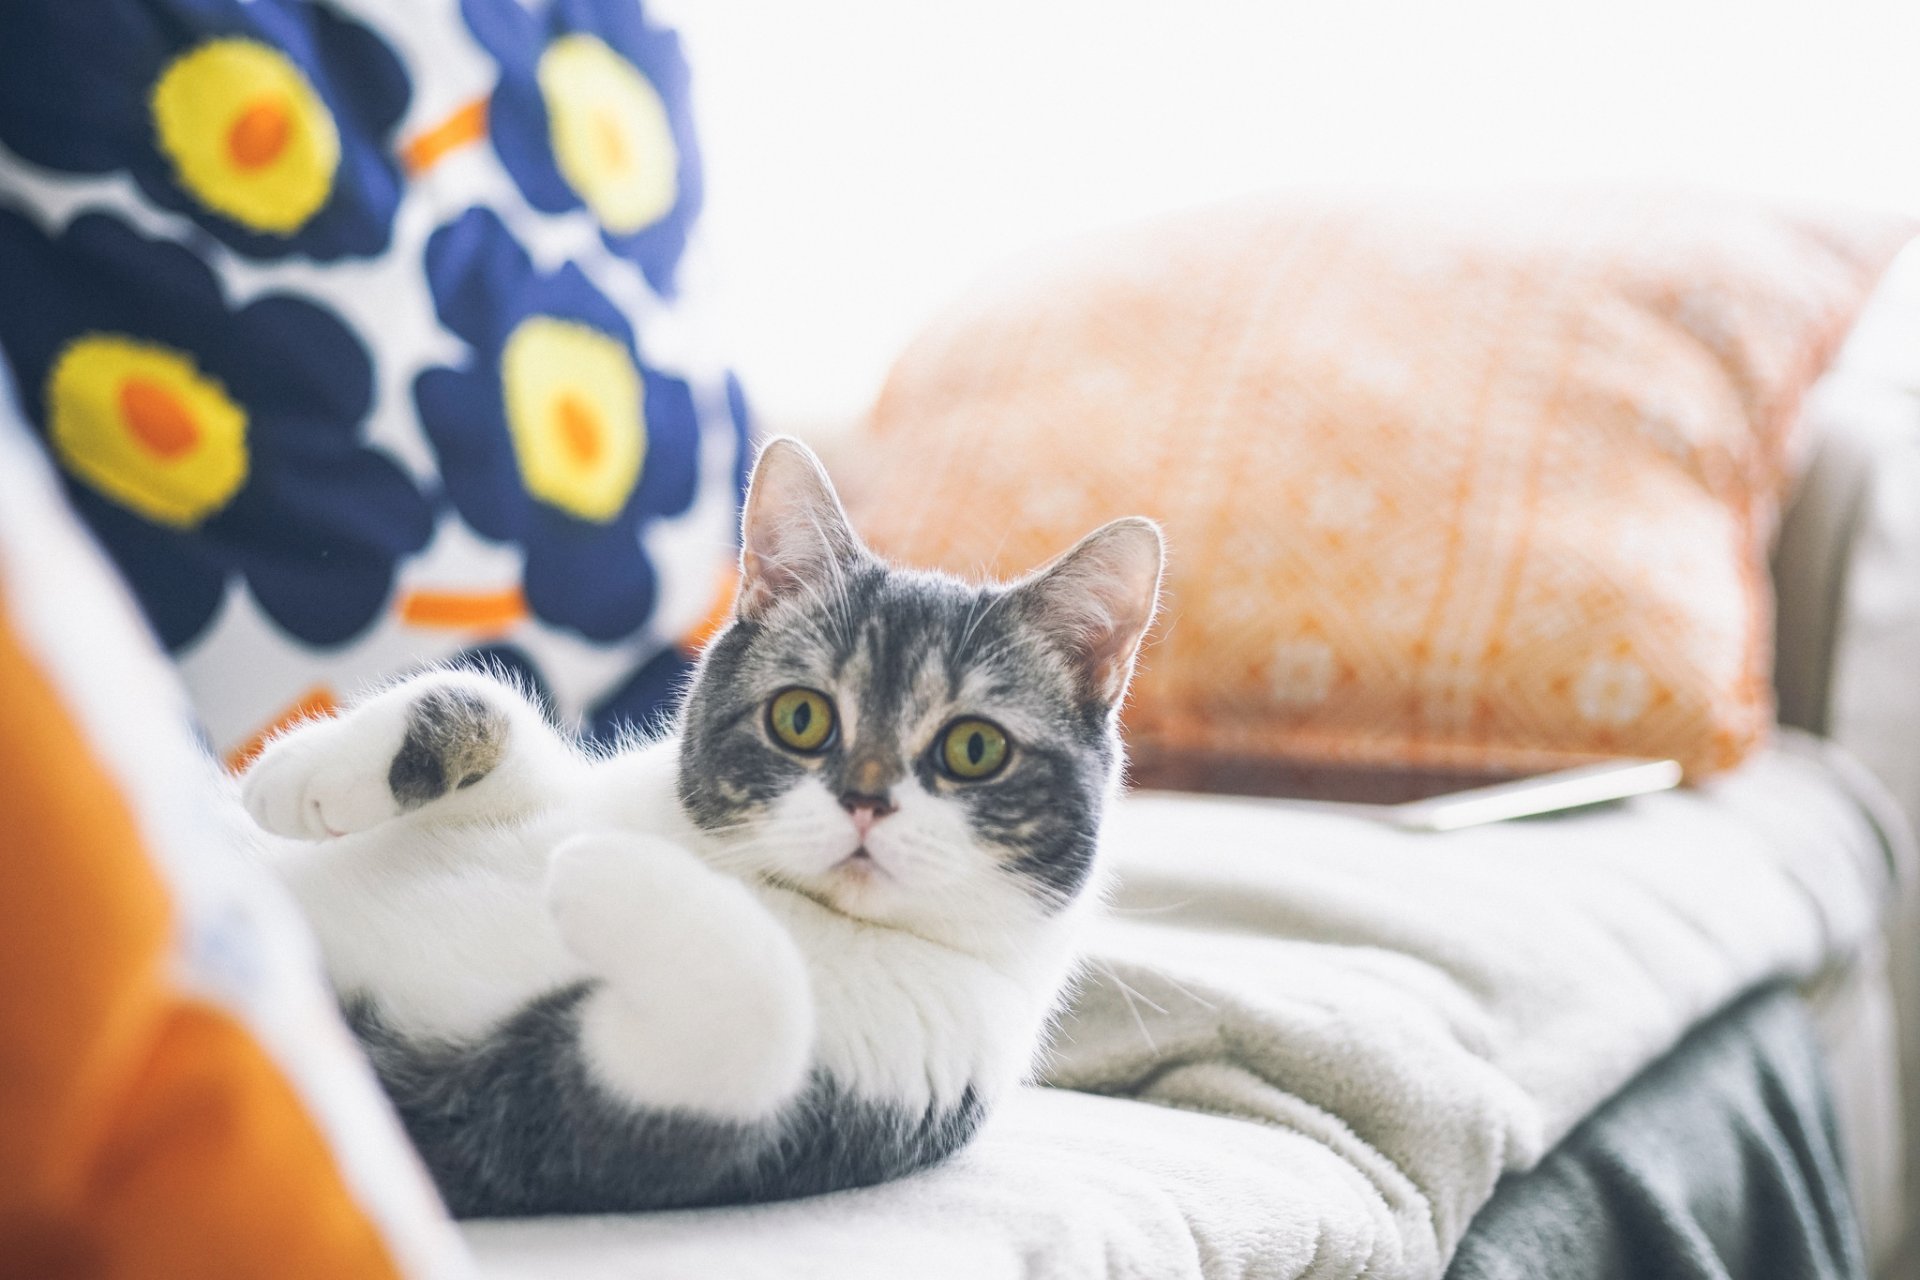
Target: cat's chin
column 856, row 887
column 859, row 885
column 859, row 867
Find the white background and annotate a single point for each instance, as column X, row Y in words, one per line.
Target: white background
column 867, row 158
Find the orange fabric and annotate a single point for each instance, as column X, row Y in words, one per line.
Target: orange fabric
column 483, row 612
column 145, row 1134
column 726, row 585
column 461, row 128
column 314, row 704
column 1475, row 485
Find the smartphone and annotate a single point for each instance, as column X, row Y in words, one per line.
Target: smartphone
column 1415, row 799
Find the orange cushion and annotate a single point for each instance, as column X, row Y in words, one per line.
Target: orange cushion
column 1477, row 484
column 177, row 1095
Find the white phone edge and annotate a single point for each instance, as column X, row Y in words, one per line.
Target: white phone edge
column 1530, row 797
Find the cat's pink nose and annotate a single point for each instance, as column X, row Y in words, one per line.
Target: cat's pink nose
column 865, row 810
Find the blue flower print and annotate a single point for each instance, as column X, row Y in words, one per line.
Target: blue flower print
column 592, row 111
column 743, row 438
column 554, row 435
column 646, row 702
column 268, row 122
column 508, row 664
column 201, row 443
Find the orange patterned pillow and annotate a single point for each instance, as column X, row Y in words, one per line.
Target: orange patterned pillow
column 1480, row 484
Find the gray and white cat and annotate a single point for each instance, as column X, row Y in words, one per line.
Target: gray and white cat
column 801, row 944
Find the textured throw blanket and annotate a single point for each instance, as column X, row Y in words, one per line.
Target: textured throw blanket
column 1719, row 1162
column 1347, row 1035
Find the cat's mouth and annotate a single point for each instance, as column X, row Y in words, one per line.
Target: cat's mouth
column 838, row 887
column 861, row 865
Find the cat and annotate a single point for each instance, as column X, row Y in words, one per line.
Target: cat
column 801, row 942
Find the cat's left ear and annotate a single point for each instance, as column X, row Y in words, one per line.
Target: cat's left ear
column 795, row 540
column 1098, row 600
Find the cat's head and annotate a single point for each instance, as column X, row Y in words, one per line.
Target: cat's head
column 902, row 746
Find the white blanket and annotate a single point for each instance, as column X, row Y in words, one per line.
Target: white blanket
column 1353, row 1031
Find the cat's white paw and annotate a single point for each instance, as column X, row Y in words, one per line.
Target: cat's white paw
column 706, row 1003
column 327, row 778
column 619, row 898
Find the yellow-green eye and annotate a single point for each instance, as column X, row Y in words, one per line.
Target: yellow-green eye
column 801, row 718
column 973, row 749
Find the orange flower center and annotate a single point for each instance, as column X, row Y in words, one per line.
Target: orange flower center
column 579, row 430
column 260, row 133
column 157, row 419
column 614, row 152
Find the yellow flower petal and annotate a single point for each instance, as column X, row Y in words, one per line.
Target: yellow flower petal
column 574, row 411
column 140, row 424
column 247, row 134
column 610, row 133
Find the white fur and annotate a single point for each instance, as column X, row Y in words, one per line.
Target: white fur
column 706, row 1002
column 731, row 965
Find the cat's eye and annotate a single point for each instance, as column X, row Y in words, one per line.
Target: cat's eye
column 973, row 749
column 801, row 719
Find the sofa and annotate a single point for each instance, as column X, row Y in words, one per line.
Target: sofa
column 1673, row 1030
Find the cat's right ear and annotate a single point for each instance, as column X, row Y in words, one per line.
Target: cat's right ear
column 1098, row 600
column 794, row 536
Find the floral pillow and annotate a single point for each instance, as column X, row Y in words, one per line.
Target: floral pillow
column 365, row 335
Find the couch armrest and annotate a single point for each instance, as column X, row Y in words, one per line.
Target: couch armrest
column 1873, row 683
column 1865, row 447
column 1847, row 564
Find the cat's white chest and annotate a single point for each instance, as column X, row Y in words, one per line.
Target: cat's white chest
column 907, row 1021
column 446, row 927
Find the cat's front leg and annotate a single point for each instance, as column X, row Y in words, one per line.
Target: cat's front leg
column 457, row 744
column 704, row 1002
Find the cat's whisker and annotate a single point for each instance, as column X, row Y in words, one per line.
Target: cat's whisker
column 1158, row 908
column 1129, row 995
